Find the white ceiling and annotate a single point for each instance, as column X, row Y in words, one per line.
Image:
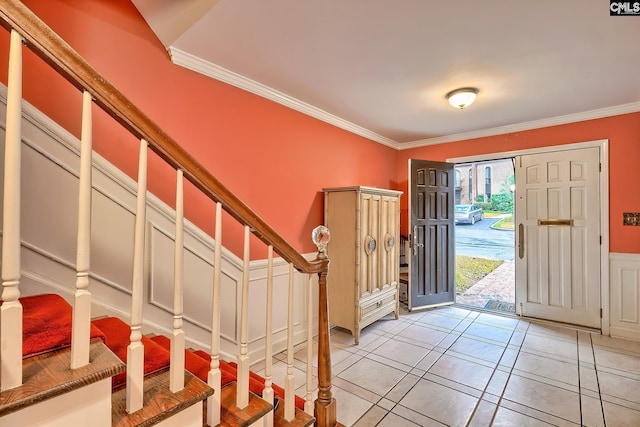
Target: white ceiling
column 381, row 68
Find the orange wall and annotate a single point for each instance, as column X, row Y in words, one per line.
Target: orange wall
column 623, row 133
column 275, row 159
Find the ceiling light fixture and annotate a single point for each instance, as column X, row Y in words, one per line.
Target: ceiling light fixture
column 463, row 97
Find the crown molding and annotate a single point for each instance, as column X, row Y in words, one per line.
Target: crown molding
column 217, row 72
column 519, row 127
column 214, row 71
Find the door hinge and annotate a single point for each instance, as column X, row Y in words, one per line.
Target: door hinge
column 601, row 313
column 600, row 167
column 601, row 239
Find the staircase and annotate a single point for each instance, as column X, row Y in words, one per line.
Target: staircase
column 62, row 365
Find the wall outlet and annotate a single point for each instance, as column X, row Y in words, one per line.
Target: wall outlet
column 631, row 218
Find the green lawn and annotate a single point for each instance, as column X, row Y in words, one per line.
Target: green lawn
column 506, row 222
column 492, row 214
column 469, row 270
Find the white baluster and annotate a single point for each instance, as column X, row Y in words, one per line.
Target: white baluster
column 176, row 371
column 135, row 350
column 290, row 381
column 242, row 397
column 11, row 309
column 81, row 329
column 267, row 393
column 308, row 404
column 215, row 375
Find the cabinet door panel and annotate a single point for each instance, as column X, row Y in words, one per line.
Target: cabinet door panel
column 392, row 241
column 370, row 241
column 383, row 259
column 365, row 208
column 388, row 242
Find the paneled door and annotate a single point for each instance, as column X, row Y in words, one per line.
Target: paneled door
column 431, row 228
column 558, row 236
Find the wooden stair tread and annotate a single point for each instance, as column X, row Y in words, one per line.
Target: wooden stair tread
column 49, row 375
column 302, row 419
column 159, row 403
column 232, row 416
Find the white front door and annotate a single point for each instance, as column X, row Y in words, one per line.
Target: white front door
column 558, row 236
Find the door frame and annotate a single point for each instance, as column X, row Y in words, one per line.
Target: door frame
column 603, row 146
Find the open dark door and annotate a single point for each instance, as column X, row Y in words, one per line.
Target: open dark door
column 431, row 222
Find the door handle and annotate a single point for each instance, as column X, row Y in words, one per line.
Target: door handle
column 521, row 241
column 556, row 222
column 416, row 245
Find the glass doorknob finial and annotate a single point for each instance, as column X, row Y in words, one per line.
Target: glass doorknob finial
column 321, row 236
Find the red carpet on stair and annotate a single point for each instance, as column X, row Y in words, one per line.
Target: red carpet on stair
column 47, row 320
column 117, row 335
column 256, row 382
column 196, row 364
column 46, row 324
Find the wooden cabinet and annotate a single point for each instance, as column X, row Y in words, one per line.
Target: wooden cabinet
column 364, row 252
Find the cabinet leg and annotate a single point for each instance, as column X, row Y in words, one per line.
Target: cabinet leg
column 357, row 336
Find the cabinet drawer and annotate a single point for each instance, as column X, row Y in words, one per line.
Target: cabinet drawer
column 384, row 301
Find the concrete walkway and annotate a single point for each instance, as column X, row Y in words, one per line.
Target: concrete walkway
column 497, row 285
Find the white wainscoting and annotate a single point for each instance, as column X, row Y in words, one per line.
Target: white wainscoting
column 49, row 214
column 625, row 296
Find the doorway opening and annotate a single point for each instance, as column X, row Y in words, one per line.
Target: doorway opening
column 485, row 235
column 561, row 232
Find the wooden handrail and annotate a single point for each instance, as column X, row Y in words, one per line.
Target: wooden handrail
column 57, row 53
column 53, row 50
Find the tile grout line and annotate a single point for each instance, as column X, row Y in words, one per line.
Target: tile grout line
column 484, row 391
column 511, row 369
column 548, row 413
column 579, row 380
column 595, row 369
column 494, row 369
column 411, row 372
column 422, row 376
column 442, row 354
column 391, row 336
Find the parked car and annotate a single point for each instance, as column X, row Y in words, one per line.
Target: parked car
column 468, row 214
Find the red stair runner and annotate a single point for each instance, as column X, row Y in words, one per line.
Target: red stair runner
column 117, row 335
column 46, row 325
column 197, row 365
column 256, row 382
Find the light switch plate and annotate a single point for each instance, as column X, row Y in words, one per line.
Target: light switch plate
column 631, row 218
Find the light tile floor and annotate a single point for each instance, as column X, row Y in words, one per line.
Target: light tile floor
column 452, row 366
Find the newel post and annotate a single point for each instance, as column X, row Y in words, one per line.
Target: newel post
column 325, row 405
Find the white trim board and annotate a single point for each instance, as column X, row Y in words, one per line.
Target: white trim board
column 625, row 296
